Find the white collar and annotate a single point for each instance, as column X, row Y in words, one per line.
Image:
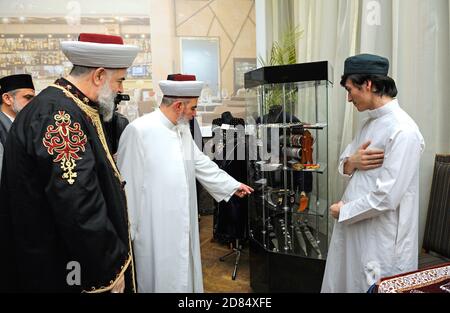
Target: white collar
column 385, row 109
column 165, row 121
column 10, row 117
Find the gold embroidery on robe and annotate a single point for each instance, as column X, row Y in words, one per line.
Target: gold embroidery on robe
column 65, row 141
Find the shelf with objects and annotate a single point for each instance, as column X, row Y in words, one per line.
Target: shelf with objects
column 41, row 56
column 288, row 212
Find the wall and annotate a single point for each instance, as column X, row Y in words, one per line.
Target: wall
column 231, row 21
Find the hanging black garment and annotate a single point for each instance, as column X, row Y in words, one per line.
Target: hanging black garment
column 114, row 129
column 196, row 133
column 197, row 137
column 230, row 218
column 302, row 180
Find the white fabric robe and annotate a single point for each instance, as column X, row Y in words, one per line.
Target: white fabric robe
column 160, row 162
column 377, row 230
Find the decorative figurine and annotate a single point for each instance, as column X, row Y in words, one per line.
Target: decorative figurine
column 307, row 150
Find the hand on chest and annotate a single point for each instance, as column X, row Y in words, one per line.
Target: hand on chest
column 377, row 133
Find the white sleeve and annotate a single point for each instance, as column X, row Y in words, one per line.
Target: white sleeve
column 343, row 158
column 217, row 182
column 401, row 163
column 131, row 161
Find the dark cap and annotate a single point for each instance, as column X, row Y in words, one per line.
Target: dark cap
column 14, row 82
column 366, row 64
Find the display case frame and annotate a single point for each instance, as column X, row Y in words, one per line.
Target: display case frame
column 288, row 212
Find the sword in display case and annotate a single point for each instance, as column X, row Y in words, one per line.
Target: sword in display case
column 310, row 238
column 274, row 240
column 301, row 240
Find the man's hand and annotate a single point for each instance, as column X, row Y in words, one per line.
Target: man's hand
column 119, row 287
column 335, row 209
column 364, row 159
column 243, row 191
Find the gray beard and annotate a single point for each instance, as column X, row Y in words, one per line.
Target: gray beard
column 106, row 102
column 182, row 121
column 16, row 108
column 182, row 124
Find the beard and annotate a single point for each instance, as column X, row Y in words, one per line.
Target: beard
column 16, row 107
column 183, row 123
column 106, row 102
column 183, row 120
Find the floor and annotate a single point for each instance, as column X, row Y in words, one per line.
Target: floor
column 217, row 274
column 431, row 259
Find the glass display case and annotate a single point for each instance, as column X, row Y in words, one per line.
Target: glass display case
column 288, row 168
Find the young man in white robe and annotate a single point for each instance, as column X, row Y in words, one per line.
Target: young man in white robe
column 376, row 229
column 160, row 163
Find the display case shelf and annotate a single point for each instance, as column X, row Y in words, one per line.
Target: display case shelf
column 294, row 125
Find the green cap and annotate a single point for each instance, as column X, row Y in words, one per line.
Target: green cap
column 366, row 64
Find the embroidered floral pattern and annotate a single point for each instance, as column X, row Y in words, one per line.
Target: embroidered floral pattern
column 65, row 141
column 414, row 280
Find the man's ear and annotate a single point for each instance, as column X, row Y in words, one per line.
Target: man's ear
column 99, row 76
column 369, row 85
column 178, row 105
column 7, row 99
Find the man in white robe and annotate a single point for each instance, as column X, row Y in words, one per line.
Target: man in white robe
column 376, row 229
column 160, row 162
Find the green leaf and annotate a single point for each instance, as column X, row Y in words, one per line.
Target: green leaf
column 282, row 52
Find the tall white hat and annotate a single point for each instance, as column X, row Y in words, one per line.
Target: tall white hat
column 181, row 86
column 98, row 50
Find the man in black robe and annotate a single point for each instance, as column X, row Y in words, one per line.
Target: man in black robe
column 63, row 216
column 16, row 91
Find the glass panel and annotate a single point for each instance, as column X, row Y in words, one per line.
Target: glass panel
column 288, row 213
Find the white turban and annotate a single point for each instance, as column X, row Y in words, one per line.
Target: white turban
column 97, row 50
column 182, row 89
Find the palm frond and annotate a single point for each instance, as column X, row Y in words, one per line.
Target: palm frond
column 283, row 52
